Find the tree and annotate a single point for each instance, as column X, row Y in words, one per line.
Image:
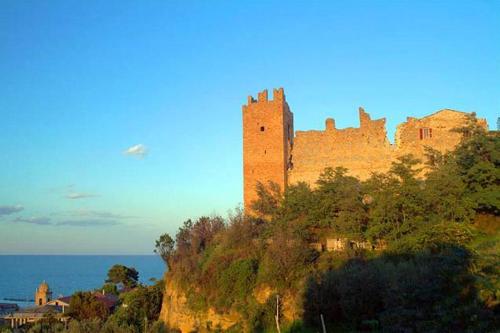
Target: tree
column 478, row 163
column 84, row 305
column 128, row 276
column 339, row 203
column 165, row 246
column 141, row 304
column 109, row 288
column 269, row 199
column 398, row 206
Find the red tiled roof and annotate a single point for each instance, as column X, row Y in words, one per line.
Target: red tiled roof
column 65, row 299
column 109, row 300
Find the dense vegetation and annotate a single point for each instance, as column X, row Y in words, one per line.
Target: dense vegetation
column 434, row 267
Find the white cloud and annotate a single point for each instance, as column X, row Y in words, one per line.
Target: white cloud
column 7, row 210
column 138, row 150
column 79, row 195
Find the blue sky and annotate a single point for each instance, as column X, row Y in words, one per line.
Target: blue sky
column 83, row 81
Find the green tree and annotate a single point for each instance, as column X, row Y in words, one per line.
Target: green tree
column 128, row 276
column 140, row 306
column 84, row 305
column 398, row 205
column 269, row 199
column 286, row 260
column 164, row 247
column 85, row 326
column 339, row 203
column 109, row 288
column 478, row 163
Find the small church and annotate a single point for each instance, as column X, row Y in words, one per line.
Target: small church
column 43, row 294
column 44, row 306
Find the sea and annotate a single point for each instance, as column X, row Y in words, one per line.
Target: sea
column 20, row 275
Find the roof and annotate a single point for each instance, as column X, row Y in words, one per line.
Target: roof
column 38, row 311
column 445, row 110
column 65, row 300
column 109, row 300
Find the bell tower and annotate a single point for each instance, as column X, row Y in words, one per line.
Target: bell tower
column 267, row 142
column 43, row 294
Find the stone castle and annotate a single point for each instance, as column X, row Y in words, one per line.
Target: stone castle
column 273, row 152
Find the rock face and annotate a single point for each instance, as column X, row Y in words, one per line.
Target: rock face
column 271, row 151
column 176, row 313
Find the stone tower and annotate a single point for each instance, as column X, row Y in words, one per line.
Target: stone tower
column 267, row 142
column 43, row 294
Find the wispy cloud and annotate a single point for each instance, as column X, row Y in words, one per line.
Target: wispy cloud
column 7, row 210
column 94, row 214
column 33, row 220
column 79, row 195
column 46, row 221
column 70, row 192
column 88, row 223
column 138, row 150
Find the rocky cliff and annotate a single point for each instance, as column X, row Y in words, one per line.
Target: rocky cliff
column 176, row 313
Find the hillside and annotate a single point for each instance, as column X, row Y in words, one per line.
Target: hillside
column 411, row 254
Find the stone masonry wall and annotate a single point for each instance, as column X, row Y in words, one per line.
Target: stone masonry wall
column 366, row 149
column 361, row 150
column 267, row 141
column 272, row 153
column 411, row 140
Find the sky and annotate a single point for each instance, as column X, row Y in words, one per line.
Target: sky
column 119, row 120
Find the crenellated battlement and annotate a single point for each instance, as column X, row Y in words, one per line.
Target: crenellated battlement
column 263, row 96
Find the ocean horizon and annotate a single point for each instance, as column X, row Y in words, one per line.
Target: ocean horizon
column 21, row 274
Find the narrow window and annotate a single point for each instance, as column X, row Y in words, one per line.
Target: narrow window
column 425, row 133
column 262, row 128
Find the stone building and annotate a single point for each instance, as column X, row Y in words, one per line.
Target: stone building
column 42, row 309
column 273, row 152
column 267, row 141
column 43, row 294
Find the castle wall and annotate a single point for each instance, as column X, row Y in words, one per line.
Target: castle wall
column 272, row 153
column 365, row 150
column 435, row 130
column 361, row 150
